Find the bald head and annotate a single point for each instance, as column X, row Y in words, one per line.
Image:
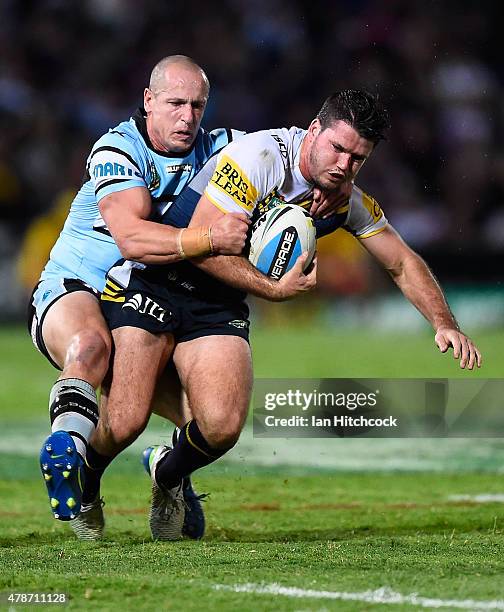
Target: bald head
column 158, row 78
column 174, row 103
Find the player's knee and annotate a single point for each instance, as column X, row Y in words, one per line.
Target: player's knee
column 224, row 433
column 122, row 432
column 90, row 349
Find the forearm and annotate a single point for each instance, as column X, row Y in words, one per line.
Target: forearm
column 153, row 243
column 239, row 273
column 150, row 243
column 126, row 214
column 421, row 288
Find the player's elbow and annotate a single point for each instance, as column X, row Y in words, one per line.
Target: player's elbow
column 395, row 271
column 130, row 248
column 405, row 266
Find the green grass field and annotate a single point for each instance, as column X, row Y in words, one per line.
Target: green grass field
column 332, row 524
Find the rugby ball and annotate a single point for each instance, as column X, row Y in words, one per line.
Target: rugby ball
column 279, row 237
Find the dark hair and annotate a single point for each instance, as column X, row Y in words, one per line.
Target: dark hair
column 360, row 109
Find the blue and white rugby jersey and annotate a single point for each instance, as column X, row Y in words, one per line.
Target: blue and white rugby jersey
column 121, row 159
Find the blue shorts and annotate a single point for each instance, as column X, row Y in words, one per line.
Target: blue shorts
column 45, row 294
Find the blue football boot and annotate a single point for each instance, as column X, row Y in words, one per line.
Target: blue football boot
column 61, row 468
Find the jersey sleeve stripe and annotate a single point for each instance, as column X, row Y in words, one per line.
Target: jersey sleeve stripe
column 115, row 150
column 102, row 230
column 373, row 233
column 111, row 182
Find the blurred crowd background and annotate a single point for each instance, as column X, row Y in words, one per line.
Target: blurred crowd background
column 71, row 69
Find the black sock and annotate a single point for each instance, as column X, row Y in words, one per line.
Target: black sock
column 190, row 453
column 94, row 467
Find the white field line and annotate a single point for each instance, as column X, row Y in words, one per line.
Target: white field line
column 372, row 454
column 383, row 595
column 482, row 498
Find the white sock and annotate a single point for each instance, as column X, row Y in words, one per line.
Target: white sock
column 73, row 407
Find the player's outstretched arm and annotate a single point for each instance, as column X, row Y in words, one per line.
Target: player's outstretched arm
column 418, row 284
column 126, row 213
column 239, row 273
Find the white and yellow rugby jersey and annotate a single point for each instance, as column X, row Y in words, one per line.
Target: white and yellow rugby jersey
column 261, row 170
column 365, row 217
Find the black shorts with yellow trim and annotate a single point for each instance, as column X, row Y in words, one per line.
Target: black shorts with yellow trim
column 171, row 309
